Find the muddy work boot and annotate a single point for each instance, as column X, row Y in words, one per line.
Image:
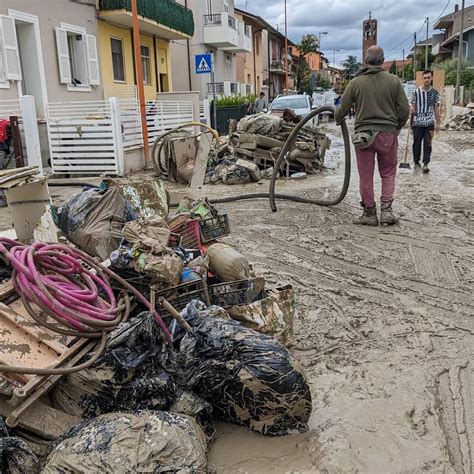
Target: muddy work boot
column 387, row 216
column 368, row 217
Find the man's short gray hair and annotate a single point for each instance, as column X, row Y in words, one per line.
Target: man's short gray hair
column 374, row 56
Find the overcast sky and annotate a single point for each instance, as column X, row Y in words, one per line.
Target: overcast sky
column 342, row 19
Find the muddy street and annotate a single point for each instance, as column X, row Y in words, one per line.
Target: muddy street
column 384, row 327
column 385, row 324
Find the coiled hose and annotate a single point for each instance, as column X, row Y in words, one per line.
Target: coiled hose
column 70, row 287
column 288, row 197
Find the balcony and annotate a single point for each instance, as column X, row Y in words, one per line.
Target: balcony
column 245, row 39
column 164, row 18
column 221, row 31
column 277, row 66
column 229, row 88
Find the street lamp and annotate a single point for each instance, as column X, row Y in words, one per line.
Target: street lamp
column 334, row 51
column 319, row 36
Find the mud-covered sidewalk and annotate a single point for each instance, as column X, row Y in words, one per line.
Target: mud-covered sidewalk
column 385, row 326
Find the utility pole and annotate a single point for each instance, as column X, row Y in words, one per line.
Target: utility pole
column 286, row 52
column 139, row 74
column 460, row 53
column 403, row 67
column 414, row 61
column 426, row 44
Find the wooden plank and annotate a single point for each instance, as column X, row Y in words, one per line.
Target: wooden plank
column 202, row 158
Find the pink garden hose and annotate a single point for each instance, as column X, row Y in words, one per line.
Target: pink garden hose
column 69, row 286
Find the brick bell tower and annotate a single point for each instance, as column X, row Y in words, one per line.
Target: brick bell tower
column 369, row 34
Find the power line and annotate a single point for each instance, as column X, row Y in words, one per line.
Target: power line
column 441, row 14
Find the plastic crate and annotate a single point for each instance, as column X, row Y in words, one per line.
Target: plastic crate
column 179, row 296
column 215, row 227
column 237, row 293
column 174, row 240
column 189, row 233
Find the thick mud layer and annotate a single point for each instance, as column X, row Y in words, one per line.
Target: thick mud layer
column 385, row 325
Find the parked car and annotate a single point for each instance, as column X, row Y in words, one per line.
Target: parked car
column 300, row 104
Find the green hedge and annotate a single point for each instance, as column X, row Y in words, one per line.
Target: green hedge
column 166, row 12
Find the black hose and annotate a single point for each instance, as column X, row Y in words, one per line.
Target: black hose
column 288, row 197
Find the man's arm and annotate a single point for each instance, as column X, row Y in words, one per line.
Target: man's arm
column 403, row 108
column 346, row 104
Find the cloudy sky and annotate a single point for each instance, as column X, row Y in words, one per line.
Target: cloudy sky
column 342, row 19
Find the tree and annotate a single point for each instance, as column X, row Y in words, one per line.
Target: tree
column 467, row 75
column 393, row 68
column 324, row 82
column 420, row 59
column 308, row 44
column 351, row 66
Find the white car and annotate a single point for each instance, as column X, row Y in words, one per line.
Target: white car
column 300, row 104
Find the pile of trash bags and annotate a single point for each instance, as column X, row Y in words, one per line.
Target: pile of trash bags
column 148, row 405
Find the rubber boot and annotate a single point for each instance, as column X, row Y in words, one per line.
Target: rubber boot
column 386, row 214
column 368, row 217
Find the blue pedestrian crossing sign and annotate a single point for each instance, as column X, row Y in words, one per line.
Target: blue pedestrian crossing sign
column 203, row 63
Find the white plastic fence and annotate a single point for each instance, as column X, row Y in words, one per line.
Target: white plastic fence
column 205, row 112
column 165, row 115
column 83, row 137
column 9, row 108
column 93, row 137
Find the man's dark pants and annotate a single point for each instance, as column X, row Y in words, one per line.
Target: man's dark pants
column 422, row 135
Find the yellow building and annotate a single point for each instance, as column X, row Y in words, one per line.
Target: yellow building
column 160, row 22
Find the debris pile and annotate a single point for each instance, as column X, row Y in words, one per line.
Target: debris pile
column 141, row 354
column 461, row 122
column 252, row 149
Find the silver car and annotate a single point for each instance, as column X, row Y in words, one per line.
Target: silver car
column 301, row 105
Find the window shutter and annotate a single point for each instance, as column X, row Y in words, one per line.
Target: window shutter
column 93, row 60
column 10, row 47
column 63, row 56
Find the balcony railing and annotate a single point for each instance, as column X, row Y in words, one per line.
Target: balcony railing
column 247, row 30
column 277, row 64
column 166, row 12
column 219, row 87
column 215, row 19
column 232, row 22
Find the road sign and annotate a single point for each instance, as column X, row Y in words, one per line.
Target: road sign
column 203, row 63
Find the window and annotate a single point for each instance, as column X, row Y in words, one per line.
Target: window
column 10, row 69
column 117, row 59
column 145, row 52
column 77, row 57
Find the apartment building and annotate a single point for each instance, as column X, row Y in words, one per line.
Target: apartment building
column 218, row 31
column 446, row 43
column 48, row 49
column 160, row 23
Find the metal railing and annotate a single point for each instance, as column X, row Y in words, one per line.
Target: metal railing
column 277, row 64
column 232, row 22
column 215, row 19
column 247, row 30
column 219, row 87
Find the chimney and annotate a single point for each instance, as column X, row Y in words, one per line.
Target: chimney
column 456, row 8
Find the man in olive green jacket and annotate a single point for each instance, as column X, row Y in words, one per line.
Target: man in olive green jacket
column 381, row 111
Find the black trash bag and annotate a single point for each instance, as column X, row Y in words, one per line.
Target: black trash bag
column 128, row 377
column 15, row 455
column 146, row 441
column 249, row 378
column 93, row 220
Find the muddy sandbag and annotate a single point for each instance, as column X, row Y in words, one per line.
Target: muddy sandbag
column 93, row 220
column 249, row 378
column 273, row 315
column 227, row 264
column 148, row 441
column 128, row 377
column 16, row 457
column 260, row 124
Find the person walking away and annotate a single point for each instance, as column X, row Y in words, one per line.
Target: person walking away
column 381, row 110
column 425, row 117
column 261, row 103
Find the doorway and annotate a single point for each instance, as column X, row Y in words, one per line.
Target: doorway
column 31, row 59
